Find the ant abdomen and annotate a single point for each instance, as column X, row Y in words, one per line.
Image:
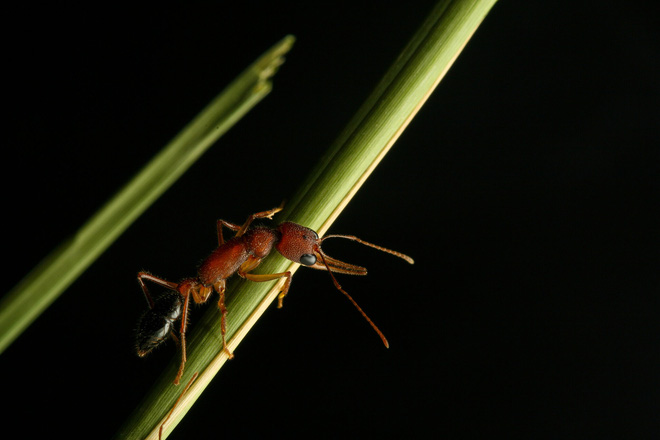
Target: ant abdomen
column 155, row 325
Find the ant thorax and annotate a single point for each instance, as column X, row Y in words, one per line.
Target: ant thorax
column 260, row 240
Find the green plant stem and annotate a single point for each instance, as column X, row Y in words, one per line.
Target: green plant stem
column 25, row 302
column 326, row 191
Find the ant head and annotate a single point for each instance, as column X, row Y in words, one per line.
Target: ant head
column 302, row 245
column 298, row 243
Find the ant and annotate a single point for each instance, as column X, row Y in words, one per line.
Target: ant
column 241, row 255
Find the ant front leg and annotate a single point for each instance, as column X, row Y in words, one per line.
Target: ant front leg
column 252, row 263
column 273, row 276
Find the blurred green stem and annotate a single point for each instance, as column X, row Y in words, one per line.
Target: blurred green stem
column 25, row 302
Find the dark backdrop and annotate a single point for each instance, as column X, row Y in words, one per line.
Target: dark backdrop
column 525, row 189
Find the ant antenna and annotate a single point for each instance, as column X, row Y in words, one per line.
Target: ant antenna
column 338, row 286
column 375, row 246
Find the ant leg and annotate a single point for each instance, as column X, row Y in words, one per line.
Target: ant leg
column 241, row 229
column 226, row 224
column 220, row 288
column 182, row 334
column 142, row 276
column 251, row 264
column 264, row 214
column 269, row 277
column 185, row 390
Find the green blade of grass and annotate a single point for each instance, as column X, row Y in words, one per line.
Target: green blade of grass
column 323, row 195
column 57, row 271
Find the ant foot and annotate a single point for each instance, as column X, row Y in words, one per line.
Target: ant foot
column 271, row 214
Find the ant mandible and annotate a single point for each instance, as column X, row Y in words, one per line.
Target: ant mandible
column 241, row 255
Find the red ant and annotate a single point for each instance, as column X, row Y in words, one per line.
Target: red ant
column 241, row 255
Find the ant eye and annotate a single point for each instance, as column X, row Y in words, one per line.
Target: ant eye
column 307, row 259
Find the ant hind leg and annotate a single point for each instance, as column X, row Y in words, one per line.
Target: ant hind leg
column 220, row 288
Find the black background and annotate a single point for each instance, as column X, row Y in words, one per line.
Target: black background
column 526, row 189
